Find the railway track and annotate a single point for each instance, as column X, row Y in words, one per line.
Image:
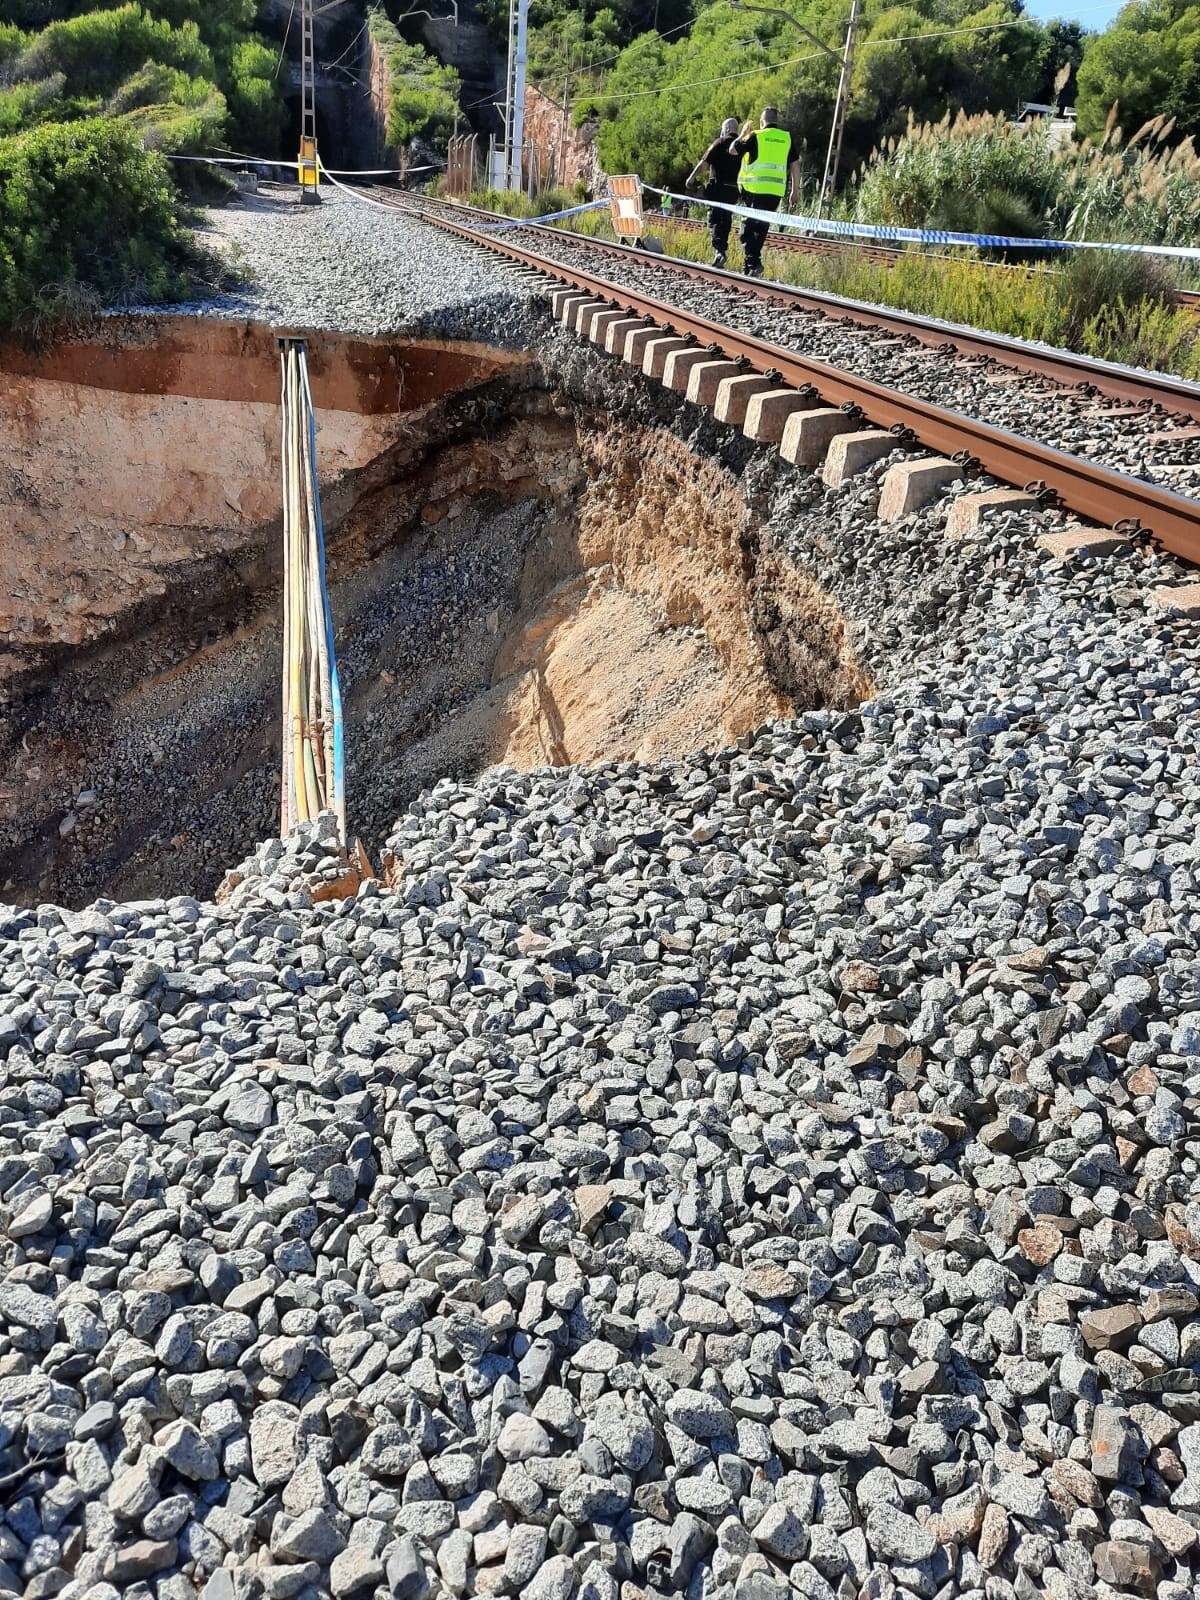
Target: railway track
column 1108, row 499
column 1122, row 384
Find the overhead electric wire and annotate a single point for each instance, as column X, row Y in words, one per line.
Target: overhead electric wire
column 588, row 66
column 768, row 67
column 328, row 66
column 700, row 83
column 286, row 34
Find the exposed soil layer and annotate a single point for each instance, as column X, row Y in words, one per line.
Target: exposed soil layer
column 153, row 449
column 518, row 576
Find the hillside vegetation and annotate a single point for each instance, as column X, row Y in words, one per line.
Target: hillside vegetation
column 422, row 95
column 184, row 73
column 93, row 96
column 91, row 100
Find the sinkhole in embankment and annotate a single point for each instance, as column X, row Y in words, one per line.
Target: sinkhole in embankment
column 518, row 575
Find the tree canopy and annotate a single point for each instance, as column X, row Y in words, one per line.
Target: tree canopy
column 1146, row 63
column 663, row 99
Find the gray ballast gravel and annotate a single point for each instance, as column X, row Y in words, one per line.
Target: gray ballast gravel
column 771, row 1173
column 354, row 268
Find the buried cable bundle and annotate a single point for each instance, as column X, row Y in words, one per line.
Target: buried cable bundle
column 313, row 759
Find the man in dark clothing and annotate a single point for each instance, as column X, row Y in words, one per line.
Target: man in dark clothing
column 770, row 168
column 722, row 185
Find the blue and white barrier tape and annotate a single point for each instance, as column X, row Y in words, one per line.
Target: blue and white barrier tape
column 550, row 216
column 887, row 235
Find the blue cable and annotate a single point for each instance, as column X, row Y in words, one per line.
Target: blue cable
column 335, row 689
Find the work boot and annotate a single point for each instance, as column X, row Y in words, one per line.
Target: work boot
column 719, row 259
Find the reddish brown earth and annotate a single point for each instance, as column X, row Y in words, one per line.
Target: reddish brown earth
column 517, row 576
column 154, row 445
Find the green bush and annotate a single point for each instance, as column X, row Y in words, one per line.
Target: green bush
column 85, row 214
column 510, row 203
column 100, row 49
column 257, row 116
column 177, row 129
column 1144, row 334
column 26, row 104
column 12, row 41
column 422, row 97
column 155, row 84
column 1092, row 281
column 211, row 79
column 89, row 91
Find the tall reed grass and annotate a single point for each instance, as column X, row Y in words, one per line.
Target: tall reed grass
column 1027, row 181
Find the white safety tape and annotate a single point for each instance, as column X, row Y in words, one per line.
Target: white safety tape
column 507, row 222
column 991, row 241
column 549, row 216
column 281, row 161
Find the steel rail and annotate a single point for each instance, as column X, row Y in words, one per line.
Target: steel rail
column 795, row 243
column 1094, row 492
column 1063, row 367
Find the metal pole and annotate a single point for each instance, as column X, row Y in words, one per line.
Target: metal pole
column 839, row 114
column 518, row 104
column 561, row 160
column 308, row 164
column 508, row 89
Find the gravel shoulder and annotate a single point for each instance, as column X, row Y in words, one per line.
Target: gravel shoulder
column 353, row 268
column 767, row 1173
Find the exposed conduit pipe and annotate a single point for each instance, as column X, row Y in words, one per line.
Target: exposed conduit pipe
column 313, row 753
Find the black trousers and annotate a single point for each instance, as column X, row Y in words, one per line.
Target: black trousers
column 754, row 233
column 719, row 220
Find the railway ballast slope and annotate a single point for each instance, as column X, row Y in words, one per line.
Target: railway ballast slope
column 769, row 1173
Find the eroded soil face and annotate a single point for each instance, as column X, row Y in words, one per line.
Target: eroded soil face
column 516, row 576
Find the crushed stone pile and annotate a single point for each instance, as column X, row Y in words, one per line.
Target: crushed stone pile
column 772, row 1173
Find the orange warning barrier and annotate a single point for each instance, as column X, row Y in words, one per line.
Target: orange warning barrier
column 625, row 203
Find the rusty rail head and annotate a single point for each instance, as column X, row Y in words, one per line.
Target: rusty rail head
column 1092, row 491
column 1064, row 367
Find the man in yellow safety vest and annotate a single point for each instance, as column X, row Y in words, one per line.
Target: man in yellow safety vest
column 770, row 169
